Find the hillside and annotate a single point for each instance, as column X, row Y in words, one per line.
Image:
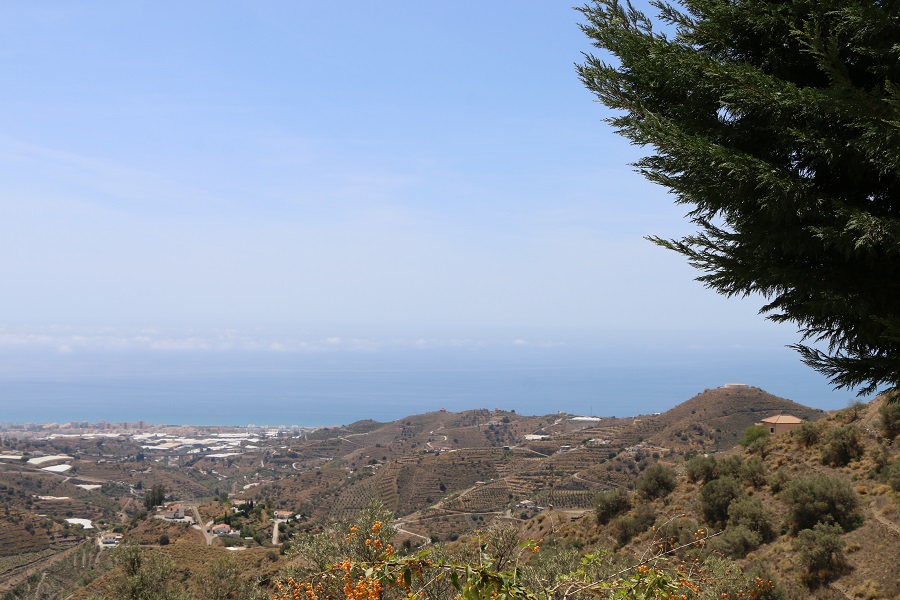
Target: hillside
column 716, row 418
column 872, row 534
column 444, row 475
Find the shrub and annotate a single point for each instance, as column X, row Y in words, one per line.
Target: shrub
column 701, row 468
column 881, row 457
column 736, row 542
column 717, row 495
column 759, row 446
column 807, row 434
column 675, row 533
column 611, row 504
column 658, row 481
column 164, row 540
column 731, row 466
column 754, row 472
column 853, row 411
column 821, row 551
column 890, row 419
column 778, row 480
column 752, row 514
column 754, row 433
column 624, row 528
column 726, row 581
column 820, row 499
column 841, row 446
column 891, row 475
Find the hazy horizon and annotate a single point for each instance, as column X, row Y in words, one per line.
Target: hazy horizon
column 337, row 381
column 299, row 178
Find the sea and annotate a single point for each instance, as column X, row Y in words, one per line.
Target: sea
column 338, row 388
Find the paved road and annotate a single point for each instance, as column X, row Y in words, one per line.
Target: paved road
column 275, row 523
column 204, row 529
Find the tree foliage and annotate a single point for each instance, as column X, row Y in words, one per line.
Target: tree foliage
column 753, row 434
column 807, row 434
column 610, row 504
column 532, row 571
column 702, row 469
column 222, row 580
column 155, row 496
column 820, row 499
column 752, row 514
column 841, row 446
column 821, row 550
column 717, row 495
column 337, row 541
column 658, row 481
column 778, row 123
column 626, row 527
column 145, row 575
column 889, row 419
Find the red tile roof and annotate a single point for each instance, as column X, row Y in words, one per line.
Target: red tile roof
column 782, row 419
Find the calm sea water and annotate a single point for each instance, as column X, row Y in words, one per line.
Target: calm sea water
column 339, row 388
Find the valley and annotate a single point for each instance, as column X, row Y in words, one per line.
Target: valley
column 68, row 498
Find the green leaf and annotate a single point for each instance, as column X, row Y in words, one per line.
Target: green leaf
column 454, row 580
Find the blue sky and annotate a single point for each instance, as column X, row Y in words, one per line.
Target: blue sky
column 290, row 175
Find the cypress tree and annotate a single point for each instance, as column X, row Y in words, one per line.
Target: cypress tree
column 778, row 124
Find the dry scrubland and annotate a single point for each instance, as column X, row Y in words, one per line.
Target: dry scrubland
column 575, row 483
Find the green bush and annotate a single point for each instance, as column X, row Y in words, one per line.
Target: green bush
column 778, row 480
column 658, row 481
column 841, row 445
column 754, row 433
column 723, row 580
column 754, row 472
column 890, row 419
column 807, row 434
column 821, row 551
column 731, row 466
column 717, row 495
column 675, row 533
column 736, row 542
column 881, row 457
column 820, row 499
column 891, row 475
column 611, row 504
column 701, row 468
column 752, row 514
column 625, row 528
column 155, row 496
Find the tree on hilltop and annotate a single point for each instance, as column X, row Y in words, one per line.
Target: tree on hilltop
column 779, row 124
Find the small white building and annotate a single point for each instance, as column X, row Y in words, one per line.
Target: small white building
column 109, row 540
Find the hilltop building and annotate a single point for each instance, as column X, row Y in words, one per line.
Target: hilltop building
column 780, row 424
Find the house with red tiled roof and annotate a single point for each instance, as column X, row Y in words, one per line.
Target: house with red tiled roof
column 780, row 424
column 224, row 529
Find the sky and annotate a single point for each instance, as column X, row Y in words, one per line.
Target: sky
column 288, row 176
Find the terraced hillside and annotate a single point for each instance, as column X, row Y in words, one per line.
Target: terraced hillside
column 715, row 419
column 446, row 474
